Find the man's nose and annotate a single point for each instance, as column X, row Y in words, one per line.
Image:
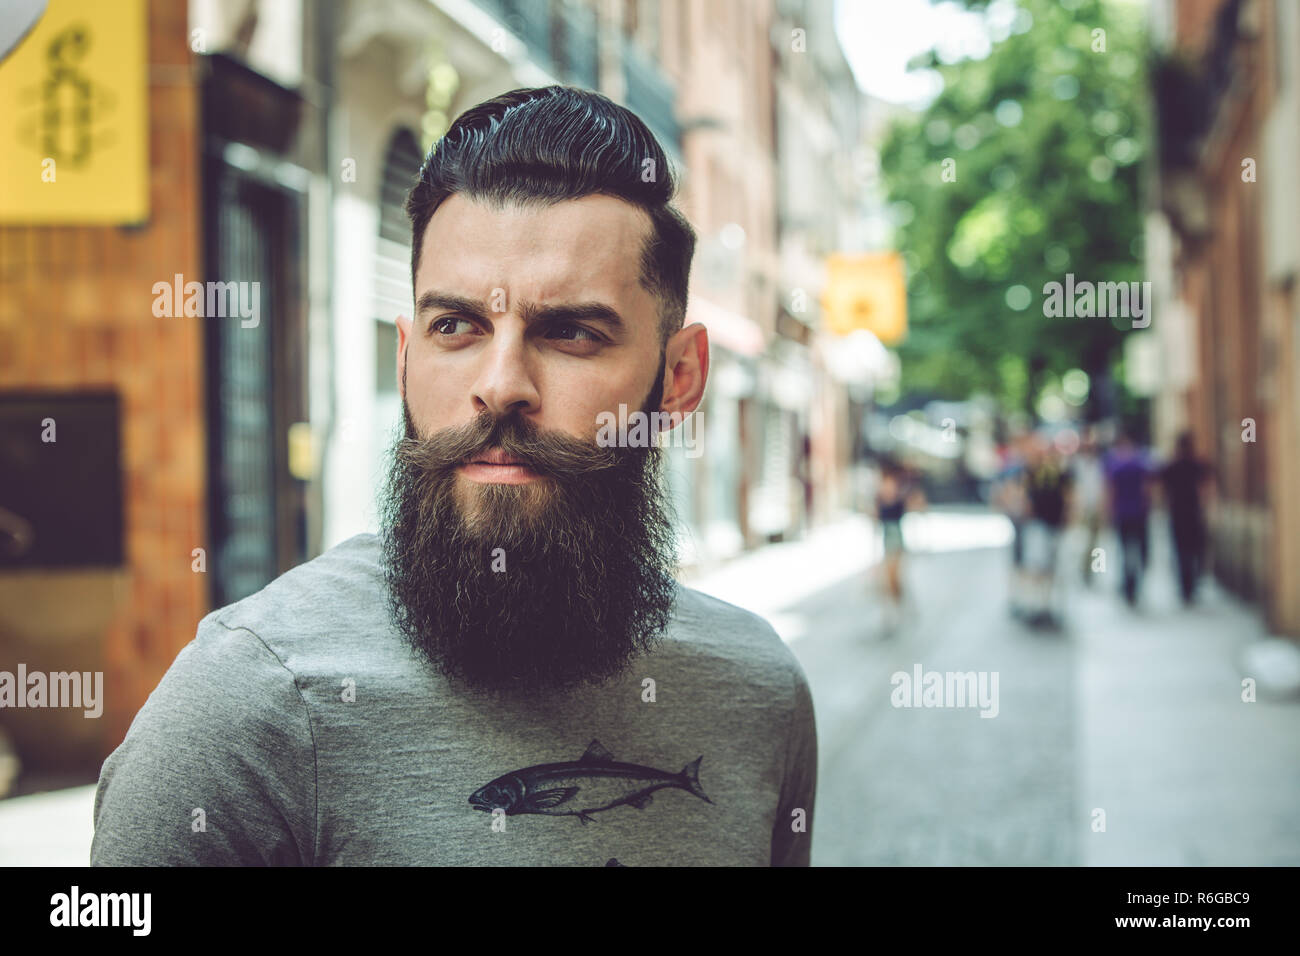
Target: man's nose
column 505, row 381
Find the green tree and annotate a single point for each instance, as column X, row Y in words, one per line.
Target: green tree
column 1025, row 168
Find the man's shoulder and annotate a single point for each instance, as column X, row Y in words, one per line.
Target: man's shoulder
column 340, row 592
column 726, row 632
column 248, row 661
column 697, row 607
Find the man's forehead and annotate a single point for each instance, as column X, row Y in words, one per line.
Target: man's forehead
column 594, row 240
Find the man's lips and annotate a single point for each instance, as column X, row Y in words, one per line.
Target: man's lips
column 495, row 456
column 496, row 467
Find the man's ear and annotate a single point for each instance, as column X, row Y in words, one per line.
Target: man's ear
column 686, row 368
column 403, row 333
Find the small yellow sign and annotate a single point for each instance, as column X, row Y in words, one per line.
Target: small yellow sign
column 74, row 134
column 866, row 291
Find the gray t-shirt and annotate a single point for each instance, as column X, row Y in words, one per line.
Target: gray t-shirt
column 298, row 728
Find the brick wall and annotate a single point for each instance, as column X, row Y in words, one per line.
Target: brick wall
column 75, row 311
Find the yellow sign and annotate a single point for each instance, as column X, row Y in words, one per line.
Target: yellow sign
column 866, row 291
column 74, row 134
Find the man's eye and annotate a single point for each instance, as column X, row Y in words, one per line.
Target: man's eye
column 572, row 333
column 452, row 325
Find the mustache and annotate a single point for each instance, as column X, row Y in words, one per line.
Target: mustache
column 551, row 453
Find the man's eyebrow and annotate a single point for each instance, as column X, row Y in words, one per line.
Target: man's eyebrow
column 590, row 311
column 432, row 300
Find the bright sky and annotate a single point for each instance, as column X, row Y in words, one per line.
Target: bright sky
column 879, row 37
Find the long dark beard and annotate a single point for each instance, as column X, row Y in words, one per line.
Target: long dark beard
column 523, row 588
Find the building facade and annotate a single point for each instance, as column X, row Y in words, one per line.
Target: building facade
column 1223, row 248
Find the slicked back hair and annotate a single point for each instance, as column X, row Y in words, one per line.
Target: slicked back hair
column 545, row 145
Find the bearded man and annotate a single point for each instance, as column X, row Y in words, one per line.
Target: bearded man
column 508, row 674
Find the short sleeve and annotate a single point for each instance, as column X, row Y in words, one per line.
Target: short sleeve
column 217, row 768
column 792, row 831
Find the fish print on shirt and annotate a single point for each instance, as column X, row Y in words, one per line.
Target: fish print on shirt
column 592, row 783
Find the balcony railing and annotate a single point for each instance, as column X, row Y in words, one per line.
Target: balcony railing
column 651, row 95
column 560, row 37
column 530, row 21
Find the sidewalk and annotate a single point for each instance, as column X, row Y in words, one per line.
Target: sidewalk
column 48, row 829
column 773, row 580
column 1188, row 774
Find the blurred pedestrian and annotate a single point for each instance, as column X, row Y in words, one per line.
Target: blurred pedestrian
column 896, row 494
column 1182, row 479
column 1088, row 480
column 1047, row 487
column 1128, row 471
column 1009, row 497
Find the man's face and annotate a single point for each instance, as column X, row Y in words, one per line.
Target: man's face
column 538, row 311
column 521, row 554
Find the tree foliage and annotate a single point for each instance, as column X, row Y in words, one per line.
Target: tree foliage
column 1045, row 138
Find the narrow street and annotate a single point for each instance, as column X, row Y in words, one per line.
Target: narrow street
column 1137, row 714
